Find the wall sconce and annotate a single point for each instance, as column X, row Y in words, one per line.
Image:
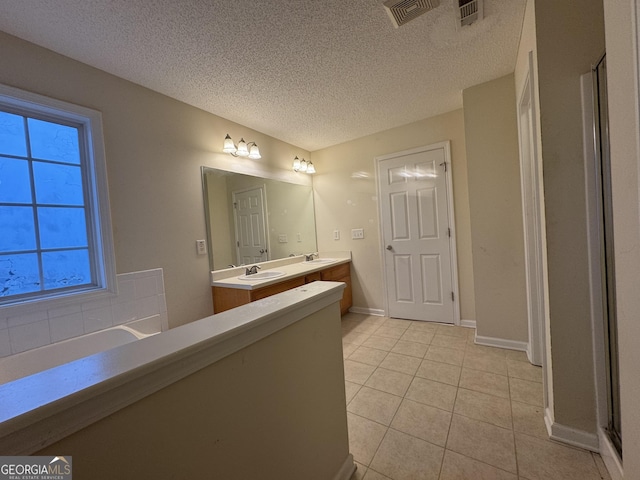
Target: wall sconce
column 243, row 149
column 303, row 166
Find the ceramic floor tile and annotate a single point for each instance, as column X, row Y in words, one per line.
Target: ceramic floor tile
column 485, row 362
column 422, row 421
column 453, row 330
column 448, row 341
column 403, row 457
column 484, row 407
column 373, row 475
column 482, row 441
column 424, row 326
column 381, row 343
column 439, row 372
column 348, row 349
column 529, row 419
column 389, row 381
column 364, row 327
column 445, row 355
column 364, row 438
column 417, row 336
column 351, row 389
column 354, row 337
column 370, row 356
column 524, row 371
column 432, row 393
column 516, row 355
column 460, row 467
column 544, row 459
column 391, row 332
column 357, row 372
column 525, row 391
column 483, row 349
column 359, row 473
column 397, row 322
column 412, row 349
column 375, row 405
column 401, row 363
column 485, row 382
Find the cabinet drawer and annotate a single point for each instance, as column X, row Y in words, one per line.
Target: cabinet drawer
column 336, row 273
column 277, row 288
column 313, row 277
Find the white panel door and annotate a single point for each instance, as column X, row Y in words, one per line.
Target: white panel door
column 251, row 240
column 416, row 234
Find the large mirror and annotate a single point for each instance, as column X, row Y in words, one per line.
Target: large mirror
column 252, row 219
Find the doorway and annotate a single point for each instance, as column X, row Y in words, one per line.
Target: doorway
column 416, row 218
column 250, row 225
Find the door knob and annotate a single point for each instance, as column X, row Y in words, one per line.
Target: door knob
column 389, row 247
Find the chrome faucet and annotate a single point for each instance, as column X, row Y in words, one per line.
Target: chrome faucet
column 309, row 258
column 252, row 270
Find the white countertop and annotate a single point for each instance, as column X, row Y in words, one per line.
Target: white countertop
column 292, row 267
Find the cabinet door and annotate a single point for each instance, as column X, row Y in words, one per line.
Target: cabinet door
column 313, row 277
column 276, row 288
column 334, row 274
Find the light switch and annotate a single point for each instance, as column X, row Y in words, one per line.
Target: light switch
column 282, row 239
column 336, row 234
column 299, row 237
column 357, row 233
column 201, row 247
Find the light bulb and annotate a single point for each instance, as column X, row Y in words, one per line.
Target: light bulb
column 228, row 147
column 243, row 151
column 296, row 164
column 254, row 152
column 311, row 169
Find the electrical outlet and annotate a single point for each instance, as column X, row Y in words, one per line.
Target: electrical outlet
column 357, row 233
column 201, row 247
column 282, row 239
column 336, row 234
column 299, row 237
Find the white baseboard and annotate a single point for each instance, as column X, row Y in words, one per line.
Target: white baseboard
column 468, row 323
column 570, row 436
column 610, row 456
column 367, row 311
column 347, row 469
column 501, row 343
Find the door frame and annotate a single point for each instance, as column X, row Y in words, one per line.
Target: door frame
column 534, row 251
column 265, row 209
column 446, row 145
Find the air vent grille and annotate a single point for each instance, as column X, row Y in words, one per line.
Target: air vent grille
column 470, row 11
column 403, row 11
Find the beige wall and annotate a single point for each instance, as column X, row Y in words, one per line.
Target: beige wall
column 345, row 198
column 251, row 415
column 155, row 147
column 569, row 40
column 624, row 131
column 496, row 209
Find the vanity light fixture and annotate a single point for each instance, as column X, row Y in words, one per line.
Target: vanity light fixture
column 243, row 149
column 303, row 166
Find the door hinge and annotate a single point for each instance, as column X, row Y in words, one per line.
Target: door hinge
column 453, row 297
column 235, row 204
column 238, row 243
column 444, row 164
column 449, row 232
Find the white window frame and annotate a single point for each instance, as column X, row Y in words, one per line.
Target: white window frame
column 97, row 194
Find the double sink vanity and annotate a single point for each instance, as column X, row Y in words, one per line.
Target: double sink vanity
column 233, row 287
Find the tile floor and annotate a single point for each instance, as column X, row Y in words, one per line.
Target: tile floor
column 425, row 402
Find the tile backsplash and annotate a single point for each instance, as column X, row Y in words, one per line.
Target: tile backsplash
column 140, row 295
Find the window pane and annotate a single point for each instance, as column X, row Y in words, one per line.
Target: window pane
column 65, row 269
column 15, row 186
column 62, row 227
column 19, row 274
column 12, row 138
column 51, row 141
column 58, row 184
column 17, row 229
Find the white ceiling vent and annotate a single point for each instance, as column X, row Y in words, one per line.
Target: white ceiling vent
column 403, row 11
column 469, row 11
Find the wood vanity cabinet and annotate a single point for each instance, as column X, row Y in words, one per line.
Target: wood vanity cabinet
column 225, row 298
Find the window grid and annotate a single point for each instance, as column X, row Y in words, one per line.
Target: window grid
column 36, row 206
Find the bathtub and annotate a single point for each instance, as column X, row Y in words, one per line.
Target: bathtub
column 43, row 358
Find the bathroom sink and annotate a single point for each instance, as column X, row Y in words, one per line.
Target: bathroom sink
column 262, row 275
column 323, row 260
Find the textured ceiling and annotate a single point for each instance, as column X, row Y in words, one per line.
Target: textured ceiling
column 313, row 73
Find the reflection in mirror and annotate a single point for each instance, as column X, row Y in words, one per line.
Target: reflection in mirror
column 251, row 219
